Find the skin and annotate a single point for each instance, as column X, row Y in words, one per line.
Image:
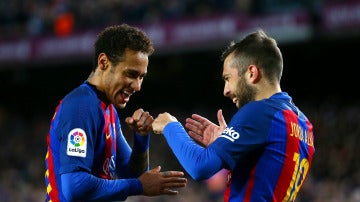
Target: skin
column 116, row 84
column 119, row 82
column 241, row 89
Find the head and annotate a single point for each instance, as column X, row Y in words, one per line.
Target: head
column 252, row 68
column 120, row 63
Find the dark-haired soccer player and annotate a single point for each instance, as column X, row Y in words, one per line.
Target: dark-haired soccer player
column 88, row 158
column 268, row 145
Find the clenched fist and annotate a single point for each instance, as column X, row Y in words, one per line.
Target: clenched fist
column 140, row 122
column 161, row 121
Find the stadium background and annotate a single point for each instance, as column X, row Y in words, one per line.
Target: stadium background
column 45, row 51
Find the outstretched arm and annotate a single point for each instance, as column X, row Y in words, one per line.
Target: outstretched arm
column 84, row 186
column 204, row 131
column 200, row 162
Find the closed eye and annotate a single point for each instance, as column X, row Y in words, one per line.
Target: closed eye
column 134, row 74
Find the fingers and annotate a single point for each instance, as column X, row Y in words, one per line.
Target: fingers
column 156, row 170
column 192, row 122
column 162, row 183
column 197, row 122
column 173, row 179
column 200, row 119
column 157, row 125
column 140, row 121
column 142, row 118
column 161, row 121
column 221, row 119
column 170, row 186
column 170, row 192
column 194, row 126
column 196, row 136
column 172, row 174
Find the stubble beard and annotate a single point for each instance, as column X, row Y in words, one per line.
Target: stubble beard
column 244, row 93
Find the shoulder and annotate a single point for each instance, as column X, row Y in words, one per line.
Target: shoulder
column 252, row 110
column 82, row 95
column 260, row 111
column 81, row 100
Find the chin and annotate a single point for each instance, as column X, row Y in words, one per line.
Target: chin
column 120, row 106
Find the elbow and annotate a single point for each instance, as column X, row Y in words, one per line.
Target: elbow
column 72, row 186
column 198, row 177
column 199, row 174
column 69, row 193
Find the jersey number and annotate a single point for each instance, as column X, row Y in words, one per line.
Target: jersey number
column 298, row 177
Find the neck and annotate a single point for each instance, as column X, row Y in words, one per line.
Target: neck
column 267, row 91
column 93, row 81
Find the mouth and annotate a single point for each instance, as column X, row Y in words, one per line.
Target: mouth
column 126, row 95
column 234, row 99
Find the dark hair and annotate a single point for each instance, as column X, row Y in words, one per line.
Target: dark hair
column 259, row 49
column 113, row 41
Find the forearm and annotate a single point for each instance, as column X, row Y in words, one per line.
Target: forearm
column 199, row 162
column 139, row 160
column 84, row 186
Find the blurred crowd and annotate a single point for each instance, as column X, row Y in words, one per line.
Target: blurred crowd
column 334, row 176
column 20, row 18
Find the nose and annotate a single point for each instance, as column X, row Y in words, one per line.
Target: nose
column 226, row 91
column 136, row 84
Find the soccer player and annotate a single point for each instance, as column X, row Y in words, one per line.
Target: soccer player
column 268, row 145
column 88, row 158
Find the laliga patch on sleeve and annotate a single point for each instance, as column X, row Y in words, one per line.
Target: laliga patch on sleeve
column 76, row 143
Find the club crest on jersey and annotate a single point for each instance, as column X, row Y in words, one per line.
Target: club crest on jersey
column 76, row 143
column 230, row 134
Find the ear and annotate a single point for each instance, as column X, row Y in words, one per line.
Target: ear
column 103, row 61
column 254, row 73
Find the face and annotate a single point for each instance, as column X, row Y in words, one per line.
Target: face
column 236, row 87
column 124, row 79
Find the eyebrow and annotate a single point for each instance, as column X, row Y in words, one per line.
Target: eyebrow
column 225, row 75
column 132, row 71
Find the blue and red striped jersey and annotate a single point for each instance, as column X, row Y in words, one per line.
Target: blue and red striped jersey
column 267, row 147
column 85, row 135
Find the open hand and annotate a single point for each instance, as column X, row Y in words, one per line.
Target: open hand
column 156, row 183
column 204, row 131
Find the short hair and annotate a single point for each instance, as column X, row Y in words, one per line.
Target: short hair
column 114, row 40
column 259, row 49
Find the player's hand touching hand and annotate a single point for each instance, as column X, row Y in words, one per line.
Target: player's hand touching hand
column 160, row 122
column 156, row 183
column 140, row 122
column 204, row 131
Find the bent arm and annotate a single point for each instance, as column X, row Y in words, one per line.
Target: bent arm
column 84, row 186
column 201, row 163
column 132, row 162
column 139, row 160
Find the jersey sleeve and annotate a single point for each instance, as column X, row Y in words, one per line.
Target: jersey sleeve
column 80, row 120
column 124, row 153
column 201, row 163
column 82, row 185
column 243, row 135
